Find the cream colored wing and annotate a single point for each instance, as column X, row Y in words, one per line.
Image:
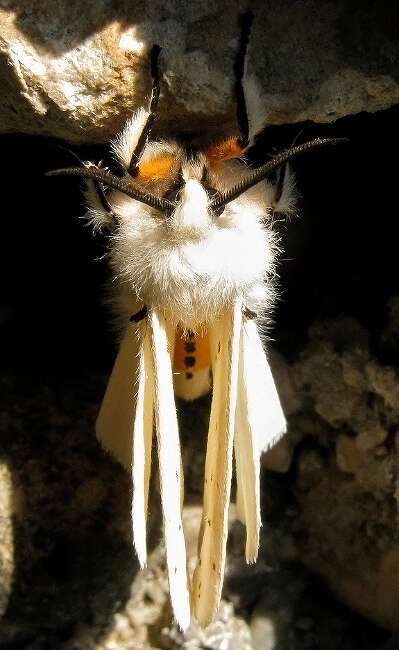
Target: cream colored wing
column 247, row 457
column 170, row 468
column 142, row 442
column 247, row 454
column 265, row 411
column 114, row 426
column 260, row 423
column 208, row 576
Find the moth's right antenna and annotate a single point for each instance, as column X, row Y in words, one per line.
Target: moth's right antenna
column 145, row 134
column 266, row 170
column 239, row 67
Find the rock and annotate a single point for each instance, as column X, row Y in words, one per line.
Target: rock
column 227, row 631
column 67, row 549
column 310, row 466
column 388, row 586
column 347, row 482
column 371, row 437
column 348, row 456
column 288, row 394
column 279, row 457
column 384, row 382
column 290, row 616
column 8, row 498
column 79, row 75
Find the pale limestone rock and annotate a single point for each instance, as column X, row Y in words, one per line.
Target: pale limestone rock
column 78, row 71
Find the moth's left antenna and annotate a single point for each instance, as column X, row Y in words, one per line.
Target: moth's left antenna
column 145, row 134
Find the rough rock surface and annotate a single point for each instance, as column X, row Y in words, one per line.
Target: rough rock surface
column 348, row 467
column 68, row 578
column 79, row 75
column 68, row 574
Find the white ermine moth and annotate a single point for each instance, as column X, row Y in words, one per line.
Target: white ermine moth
column 193, row 256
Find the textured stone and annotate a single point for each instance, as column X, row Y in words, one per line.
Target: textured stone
column 347, row 454
column 79, row 74
column 348, row 498
column 279, row 457
column 7, row 506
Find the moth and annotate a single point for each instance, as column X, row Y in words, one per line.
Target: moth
column 193, row 256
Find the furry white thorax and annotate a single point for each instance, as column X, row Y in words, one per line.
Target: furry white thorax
column 193, row 263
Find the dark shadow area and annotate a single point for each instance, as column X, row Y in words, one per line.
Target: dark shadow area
column 57, row 348
column 339, row 257
column 72, row 547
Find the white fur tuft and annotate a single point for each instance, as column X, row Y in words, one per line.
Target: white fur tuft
column 125, row 143
column 257, row 115
column 95, row 213
column 289, row 196
column 191, row 217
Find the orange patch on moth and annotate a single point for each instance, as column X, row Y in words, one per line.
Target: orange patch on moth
column 191, row 351
column 224, row 151
column 155, row 169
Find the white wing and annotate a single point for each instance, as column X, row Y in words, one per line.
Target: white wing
column 208, row 576
column 259, row 424
column 247, row 454
column 264, row 408
column 170, row 468
column 142, row 441
column 114, row 426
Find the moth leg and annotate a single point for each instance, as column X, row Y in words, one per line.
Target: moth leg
column 249, row 314
column 145, row 133
column 208, row 575
column 139, row 315
column 95, row 193
column 239, row 68
column 169, row 468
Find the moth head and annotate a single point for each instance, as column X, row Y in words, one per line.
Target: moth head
column 171, row 178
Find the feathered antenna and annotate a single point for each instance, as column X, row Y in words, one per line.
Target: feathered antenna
column 264, row 171
column 120, row 184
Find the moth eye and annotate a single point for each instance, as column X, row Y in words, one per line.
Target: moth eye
column 155, row 169
column 173, row 195
column 212, row 195
column 225, row 150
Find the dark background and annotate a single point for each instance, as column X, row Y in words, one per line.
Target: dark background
column 340, row 256
column 57, row 348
